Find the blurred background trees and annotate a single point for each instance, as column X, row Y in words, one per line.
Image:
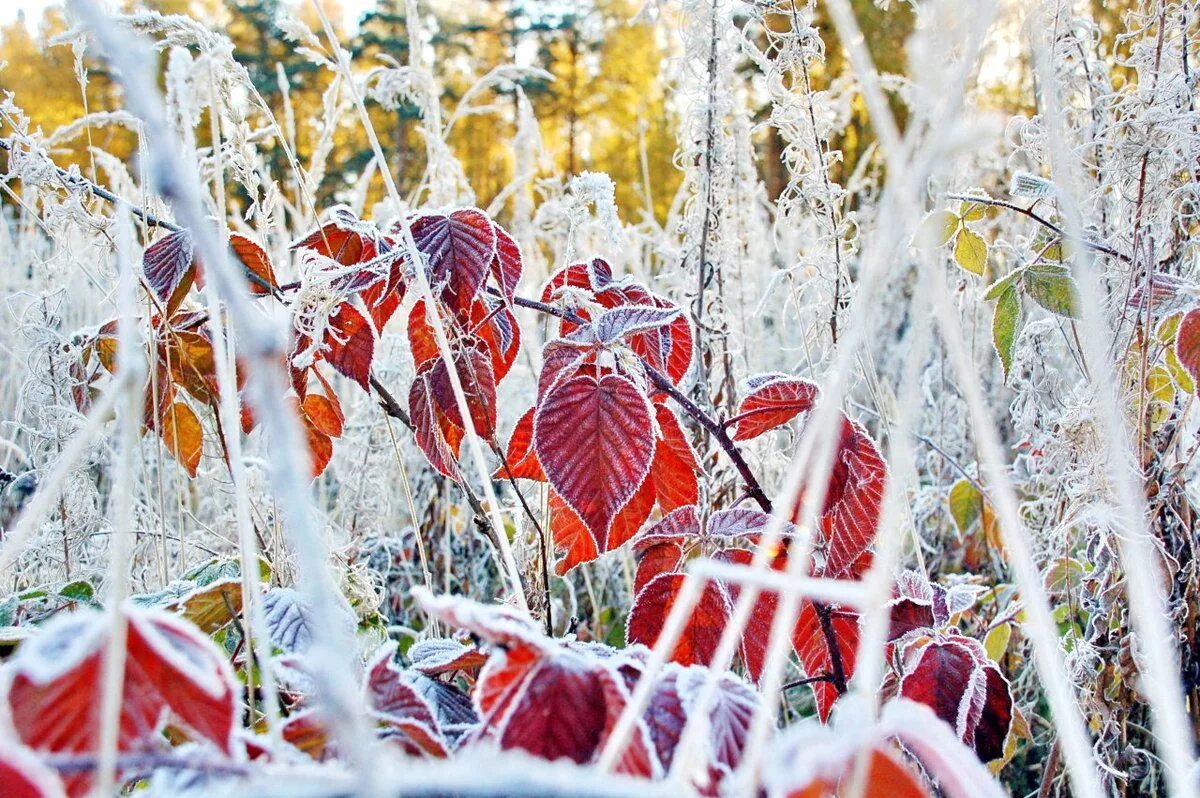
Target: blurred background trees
column 601, row 102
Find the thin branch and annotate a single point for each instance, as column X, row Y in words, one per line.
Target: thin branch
column 1095, row 246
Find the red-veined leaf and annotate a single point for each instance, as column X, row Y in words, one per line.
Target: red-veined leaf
column 257, row 262
column 350, row 344
column 478, row 385
column 595, row 441
column 852, row 504
column 459, row 249
column 772, row 403
column 169, row 268
column 54, row 686
column 698, row 642
column 428, row 425
column 1187, row 344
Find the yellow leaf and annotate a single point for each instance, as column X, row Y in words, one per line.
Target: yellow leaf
column 936, row 230
column 970, row 251
column 996, row 642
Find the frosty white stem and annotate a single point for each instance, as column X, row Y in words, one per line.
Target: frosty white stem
column 131, row 371
column 254, row 623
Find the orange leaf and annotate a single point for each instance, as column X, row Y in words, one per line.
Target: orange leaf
column 182, row 434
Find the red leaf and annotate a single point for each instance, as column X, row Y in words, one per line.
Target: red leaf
column 591, row 275
column 561, row 360
column 169, row 267
column 1187, row 344
column 595, row 440
column 478, row 386
column 440, row 655
column 343, row 238
column 351, row 344
column 571, row 536
column 393, row 698
column 54, row 686
column 834, row 772
column 814, row 651
column 459, row 250
column 675, row 468
column 675, row 698
column 698, row 642
column 324, row 414
column 497, row 327
column 756, row 636
column 852, row 503
column 954, row 678
column 508, row 264
column 772, row 404
column 655, row 560
column 22, row 775
column 631, row 517
column 428, row 425
column 422, row 339
column 521, row 460
column 256, row 260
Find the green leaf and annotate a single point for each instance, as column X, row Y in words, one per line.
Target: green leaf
column 966, row 503
column 972, row 211
column 1053, row 288
column 970, row 251
column 1000, row 286
column 936, row 230
column 8, row 610
column 78, row 591
column 1006, row 325
column 1050, row 246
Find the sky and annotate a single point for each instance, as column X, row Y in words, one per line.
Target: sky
column 9, row 9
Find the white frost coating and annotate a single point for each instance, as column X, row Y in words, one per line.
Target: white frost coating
column 63, row 643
